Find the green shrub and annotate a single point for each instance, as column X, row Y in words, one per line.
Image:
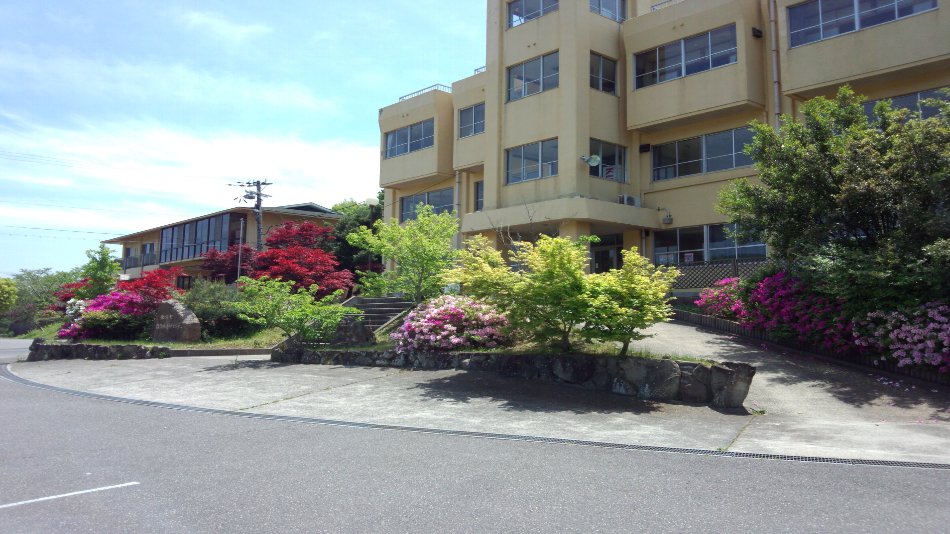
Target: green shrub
column 273, row 304
column 109, row 324
column 216, row 305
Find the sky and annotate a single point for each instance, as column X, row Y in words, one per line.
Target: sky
column 122, row 115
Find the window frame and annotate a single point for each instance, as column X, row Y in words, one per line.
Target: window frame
column 707, row 250
column 620, row 6
column 541, row 147
column 855, row 18
column 544, row 82
column 677, row 58
column 599, row 77
column 478, row 195
column 544, row 7
column 413, row 143
column 476, row 127
column 920, row 109
column 704, row 155
column 409, row 204
column 599, row 170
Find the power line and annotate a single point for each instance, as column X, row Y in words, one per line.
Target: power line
column 56, row 229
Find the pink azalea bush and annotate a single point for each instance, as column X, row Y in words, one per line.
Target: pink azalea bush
column 917, row 337
column 451, row 323
column 723, row 299
column 119, row 314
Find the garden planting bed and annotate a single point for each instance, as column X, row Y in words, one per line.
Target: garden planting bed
column 723, row 385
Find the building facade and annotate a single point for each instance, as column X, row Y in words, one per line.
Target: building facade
column 184, row 243
column 624, row 118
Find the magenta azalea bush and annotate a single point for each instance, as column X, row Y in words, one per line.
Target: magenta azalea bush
column 917, row 337
column 451, row 323
column 723, row 299
column 119, row 314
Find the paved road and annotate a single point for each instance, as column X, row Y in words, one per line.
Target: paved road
column 214, row 473
column 12, row 350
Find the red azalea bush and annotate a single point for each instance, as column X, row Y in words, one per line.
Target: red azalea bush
column 724, row 299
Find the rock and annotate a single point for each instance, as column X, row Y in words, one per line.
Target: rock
column 694, row 383
column 574, row 369
column 175, row 322
column 621, row 387
column 730, row 383
column 353, row 331
column 653, row 379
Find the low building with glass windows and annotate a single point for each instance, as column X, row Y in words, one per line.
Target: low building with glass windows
column 625, row 118
column 184, row 243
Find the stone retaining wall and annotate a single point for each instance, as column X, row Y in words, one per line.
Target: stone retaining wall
column 723, row 385
column 40, row 351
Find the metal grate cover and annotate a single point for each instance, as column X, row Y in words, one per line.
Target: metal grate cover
column 8, row 375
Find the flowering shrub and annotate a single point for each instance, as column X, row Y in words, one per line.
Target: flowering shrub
column 786, row 306
column 920, row 336
column 451, row 323
column 723, row 300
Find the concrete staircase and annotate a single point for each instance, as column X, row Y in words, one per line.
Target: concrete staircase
column 377, row 311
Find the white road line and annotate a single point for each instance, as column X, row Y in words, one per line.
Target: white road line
column 51, row 497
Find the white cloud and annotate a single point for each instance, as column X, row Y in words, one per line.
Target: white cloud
column 145, row 174
column 222, row 27
column 22, row 72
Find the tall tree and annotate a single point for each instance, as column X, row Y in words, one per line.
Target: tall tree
column 100, row 272
column 356, row 214
column 421, row 250
column 296, row 253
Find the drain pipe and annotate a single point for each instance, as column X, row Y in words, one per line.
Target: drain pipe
column 776, row 81
column 458, row 208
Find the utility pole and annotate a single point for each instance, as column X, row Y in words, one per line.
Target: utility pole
column 253, row 191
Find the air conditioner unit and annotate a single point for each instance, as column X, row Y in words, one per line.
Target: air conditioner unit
column 630, row 200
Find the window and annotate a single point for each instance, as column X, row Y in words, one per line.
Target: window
column 822, row 19
column 521, row 11
column 191, row 239
column 184, row 282
column 692, row 55
column 707, row 153
column 696, row 244
column 472, row 120
column 479, row 195
column 912, row 101
column 411, row 138
column 612, row 9
column 531, row 161
column 603, row 74
column 612, row 161
column 148, row 254
column 441, row 200
column 534, row 76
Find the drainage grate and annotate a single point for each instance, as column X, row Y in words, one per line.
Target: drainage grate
column 7, row 374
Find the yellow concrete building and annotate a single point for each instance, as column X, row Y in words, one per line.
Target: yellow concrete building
column 183, row 243
column 624, row 118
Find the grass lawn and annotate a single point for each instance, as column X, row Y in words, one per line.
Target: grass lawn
column 265, row 339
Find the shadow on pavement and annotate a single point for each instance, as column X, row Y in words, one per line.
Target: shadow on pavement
column 516, row 394
column 244, row 364
column 854, row 386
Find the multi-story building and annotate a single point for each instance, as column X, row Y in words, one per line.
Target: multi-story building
column 624, row 118
column 183, row 243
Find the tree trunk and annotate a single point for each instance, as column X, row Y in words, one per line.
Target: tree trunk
column 623, row 349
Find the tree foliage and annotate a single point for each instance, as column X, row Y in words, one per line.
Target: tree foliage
column 100, row 272
column 625, row 300
column 863, row 206
column 421, row 249
column 224, row 265
column 550, row 296
column 8, row 294
column 296, row 253
column 355, row 214
column 274, row 304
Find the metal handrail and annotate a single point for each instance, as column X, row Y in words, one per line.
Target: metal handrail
column 436, row 87
column 480, row 70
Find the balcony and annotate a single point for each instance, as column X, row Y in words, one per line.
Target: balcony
column 424, row 160
column 716, row 90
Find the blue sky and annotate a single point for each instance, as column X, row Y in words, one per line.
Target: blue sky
column 122, row 115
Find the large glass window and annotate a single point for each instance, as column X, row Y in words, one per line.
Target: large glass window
column 533, row 76
column 612, row 9
column 411, row 138
column 190, row 240
column 692, row 55
column 912, row 101
column 822, row 19
column 472, row 120
column 612, row 161
column 531, row 161
column 603, row 73
column 521, row 11
column 696, row 244
column 441, row 200
column 707, row 153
